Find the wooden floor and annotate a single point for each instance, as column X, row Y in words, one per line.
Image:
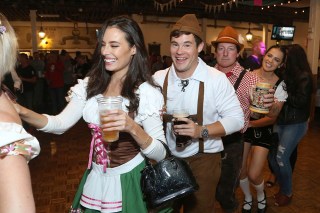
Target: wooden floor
column 57, row 170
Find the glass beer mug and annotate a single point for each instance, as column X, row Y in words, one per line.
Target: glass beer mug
column 181, row 140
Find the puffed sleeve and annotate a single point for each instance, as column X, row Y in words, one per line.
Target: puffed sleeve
column 12, row 132
column 149, row 116
column 71, row 113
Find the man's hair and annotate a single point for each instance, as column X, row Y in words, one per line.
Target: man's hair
column 178, row 33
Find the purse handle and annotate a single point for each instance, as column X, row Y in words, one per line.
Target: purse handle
column 169, row 154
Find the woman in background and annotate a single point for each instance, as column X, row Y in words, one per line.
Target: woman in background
column 292, row 123
column 17, row 147
column 258, row 138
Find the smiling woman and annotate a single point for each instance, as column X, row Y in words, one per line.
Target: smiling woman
column 120, row 68
column 259, row 138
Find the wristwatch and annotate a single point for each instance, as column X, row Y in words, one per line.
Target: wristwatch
column 204, row 132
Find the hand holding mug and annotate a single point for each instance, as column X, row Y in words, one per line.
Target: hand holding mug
column 180, row 126
column 109, row 111
column 258, row 94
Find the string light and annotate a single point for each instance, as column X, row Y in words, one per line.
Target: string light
column 265, row 7
column 296, row 12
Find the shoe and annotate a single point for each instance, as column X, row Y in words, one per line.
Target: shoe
column 282, row 200
column 263, row 202
column 246, row 203
column 272, row 181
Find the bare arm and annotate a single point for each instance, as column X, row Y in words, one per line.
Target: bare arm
column 35, row 119
column 270, row 118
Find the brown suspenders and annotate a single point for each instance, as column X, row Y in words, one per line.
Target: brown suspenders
column 198, row 117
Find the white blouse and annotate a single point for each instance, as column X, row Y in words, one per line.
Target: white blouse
column 148, row 114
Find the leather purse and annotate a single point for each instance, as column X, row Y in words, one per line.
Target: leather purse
column 167, row 180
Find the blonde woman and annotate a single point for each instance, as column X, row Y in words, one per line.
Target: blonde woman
column 17, row 147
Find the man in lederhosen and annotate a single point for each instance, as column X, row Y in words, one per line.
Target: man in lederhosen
column 212, row 103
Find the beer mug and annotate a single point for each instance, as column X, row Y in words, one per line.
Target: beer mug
column 181, row 140
column 105, row 104
column 257, row 104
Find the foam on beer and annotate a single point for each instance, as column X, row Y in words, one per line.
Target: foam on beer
column 180, row 115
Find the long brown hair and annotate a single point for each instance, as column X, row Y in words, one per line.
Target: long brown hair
column 296, row 65
column 139, row 69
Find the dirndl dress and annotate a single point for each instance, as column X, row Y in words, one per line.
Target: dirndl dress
column 107, row 190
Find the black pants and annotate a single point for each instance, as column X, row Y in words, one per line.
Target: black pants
column 230, row 173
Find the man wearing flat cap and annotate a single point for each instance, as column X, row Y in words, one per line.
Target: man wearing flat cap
column 214, row 110
column 227, row 48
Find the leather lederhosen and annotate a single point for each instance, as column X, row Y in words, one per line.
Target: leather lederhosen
column 196, row 118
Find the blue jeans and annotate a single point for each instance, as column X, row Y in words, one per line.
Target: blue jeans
column 289, row 138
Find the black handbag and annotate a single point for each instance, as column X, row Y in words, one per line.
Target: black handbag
column 167, row 180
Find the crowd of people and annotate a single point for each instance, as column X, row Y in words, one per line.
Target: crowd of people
column 46, row 78
column 227, row 143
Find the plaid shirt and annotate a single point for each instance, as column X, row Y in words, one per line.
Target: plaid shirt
column 243, row 92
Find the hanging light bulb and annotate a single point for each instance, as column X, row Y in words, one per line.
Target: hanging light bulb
column 42, row 34
column 249, row 35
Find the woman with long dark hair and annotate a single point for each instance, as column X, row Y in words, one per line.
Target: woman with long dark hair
column 258, row 138
column 112, row 181
column 292, row 123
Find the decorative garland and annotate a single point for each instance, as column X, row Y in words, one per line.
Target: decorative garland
column 165, row 6
column 217, row 7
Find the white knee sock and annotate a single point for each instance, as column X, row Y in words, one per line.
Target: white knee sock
column 260, row 195
column 245, row 186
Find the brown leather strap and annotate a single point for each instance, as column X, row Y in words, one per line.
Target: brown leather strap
column 165, row 87
column 199, row 115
